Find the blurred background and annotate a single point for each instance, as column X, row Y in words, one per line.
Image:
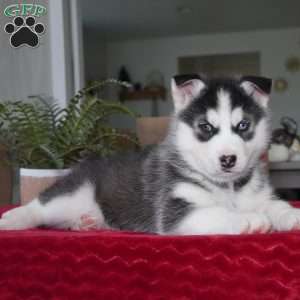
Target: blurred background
column 150, row 41
column 155, row 39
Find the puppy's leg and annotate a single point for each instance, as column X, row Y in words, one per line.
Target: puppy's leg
column 64, row 210
column 23, row 217
column 283, row 216
column 219, row 220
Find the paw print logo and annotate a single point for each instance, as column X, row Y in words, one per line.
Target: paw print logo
column 24, row 32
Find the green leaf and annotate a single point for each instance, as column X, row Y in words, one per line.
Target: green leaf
column 43, row 135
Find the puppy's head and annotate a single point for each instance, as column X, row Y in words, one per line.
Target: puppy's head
column 222, row 124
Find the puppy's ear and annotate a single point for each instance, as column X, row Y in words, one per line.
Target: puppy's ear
column 257, row 87
column 185, row 88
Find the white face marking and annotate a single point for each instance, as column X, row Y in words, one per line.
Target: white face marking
column 213, row 118
column 205, row 156
column 226, row 142
column 236, row 116
column 224, row 110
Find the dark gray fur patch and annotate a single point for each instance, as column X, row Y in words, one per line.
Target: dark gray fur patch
column 165, row 169
column 241, row 182
column 176, row 209
column 66, row 185
column 205, row 136
column 118, row 190
column 131, row 188
column 263, row 177
column 246, row 135
column 174, row 171
column 222, row 185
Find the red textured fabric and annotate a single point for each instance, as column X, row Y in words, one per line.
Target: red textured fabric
column 61, row 265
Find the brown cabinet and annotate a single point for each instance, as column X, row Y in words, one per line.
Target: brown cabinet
column 6, row 179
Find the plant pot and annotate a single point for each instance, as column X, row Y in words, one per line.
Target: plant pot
column 34, row 181
column 152, row 130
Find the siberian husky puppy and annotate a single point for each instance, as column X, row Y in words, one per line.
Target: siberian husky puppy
column 206, row 177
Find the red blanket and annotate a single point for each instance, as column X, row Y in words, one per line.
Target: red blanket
column 61, row 265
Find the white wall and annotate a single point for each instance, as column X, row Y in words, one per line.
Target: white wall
column 24, row 71
column 94, row 55
column 275, row 46
column 51, row 70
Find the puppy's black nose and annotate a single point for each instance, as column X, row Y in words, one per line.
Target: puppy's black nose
column 228, row 161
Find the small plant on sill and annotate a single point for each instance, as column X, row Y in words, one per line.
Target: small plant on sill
column 40, row 135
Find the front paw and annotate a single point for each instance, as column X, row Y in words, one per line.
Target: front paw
column 288, row 220
column 256, row 223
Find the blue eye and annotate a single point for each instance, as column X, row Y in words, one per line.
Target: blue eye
column 244, row 125
column 206, row 127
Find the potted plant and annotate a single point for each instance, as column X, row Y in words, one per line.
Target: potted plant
column 45, row 140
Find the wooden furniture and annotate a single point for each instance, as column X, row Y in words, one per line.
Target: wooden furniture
column 153, row 94
column 285, row 175
column 6, row 179
column 151, row 130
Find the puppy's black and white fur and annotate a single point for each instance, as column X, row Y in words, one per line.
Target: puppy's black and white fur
column 206, row 177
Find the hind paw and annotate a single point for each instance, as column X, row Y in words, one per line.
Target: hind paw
column 85, row 223
column 17, row 218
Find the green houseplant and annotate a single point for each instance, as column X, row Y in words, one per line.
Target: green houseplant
column 44, row 140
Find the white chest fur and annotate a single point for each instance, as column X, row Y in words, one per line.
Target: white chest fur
column 201, row 197
column 247, row 198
